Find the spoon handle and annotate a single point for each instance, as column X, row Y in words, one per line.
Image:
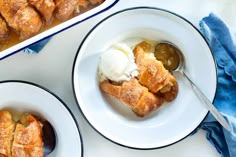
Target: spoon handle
column 218, row 116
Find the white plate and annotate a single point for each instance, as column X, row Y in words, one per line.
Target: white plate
column 57, row 29
column 174, row 121
column 27, row 97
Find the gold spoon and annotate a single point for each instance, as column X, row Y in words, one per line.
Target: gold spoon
column 173, row 60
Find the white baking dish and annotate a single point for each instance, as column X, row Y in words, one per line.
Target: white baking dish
column 56, row 29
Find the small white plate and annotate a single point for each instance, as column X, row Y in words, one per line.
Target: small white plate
column 173, row 121
column 28, row 97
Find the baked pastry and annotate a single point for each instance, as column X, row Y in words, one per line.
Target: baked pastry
column 22, row 139
column 152, row 73
column 20, row 16
column 134, row 95
column 65, row 8
column 28, row 138
column 153, row 85
column 45, row 7
column 4, row 31
column 7, row 126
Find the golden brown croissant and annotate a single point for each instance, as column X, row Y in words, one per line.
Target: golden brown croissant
column 4, row 31
column 152, row 73
column 136, row 96
column 45, row 7
column 65, row 8
column 28, row 139
column 22, row 139
column 21, row 17
column 7, row 126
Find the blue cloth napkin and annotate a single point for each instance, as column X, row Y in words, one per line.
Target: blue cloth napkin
column 223, row 45
column 37, row 47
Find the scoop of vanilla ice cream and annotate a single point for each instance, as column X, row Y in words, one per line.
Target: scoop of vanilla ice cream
column 117, row 63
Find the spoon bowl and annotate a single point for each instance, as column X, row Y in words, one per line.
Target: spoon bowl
column 49, row 138
column 176, row 64
column 171, row 56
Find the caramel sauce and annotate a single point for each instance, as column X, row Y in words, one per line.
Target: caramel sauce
column 167, row 54
column 14, row 37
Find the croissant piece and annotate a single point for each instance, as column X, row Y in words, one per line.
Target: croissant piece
column 134, row 95
column 28, row 139
column 153, row 74
column 65, row 8
column 45, row 7
column 170, row 91
column 4, row 31
column 7, row 126
column 22, row 139
column 21, row 17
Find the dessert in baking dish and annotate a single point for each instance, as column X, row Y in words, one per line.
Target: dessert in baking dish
column 26, row 18
column 146, row 91
column 20, row 139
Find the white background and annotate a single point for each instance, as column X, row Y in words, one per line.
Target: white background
column 52, row 68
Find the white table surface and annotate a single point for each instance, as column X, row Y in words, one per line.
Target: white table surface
column 52, row 68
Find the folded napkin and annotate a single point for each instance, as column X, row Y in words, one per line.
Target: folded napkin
column 37, row 47
column 223, row 45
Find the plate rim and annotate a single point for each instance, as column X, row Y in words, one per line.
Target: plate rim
column 58, row 98
column 108, row 17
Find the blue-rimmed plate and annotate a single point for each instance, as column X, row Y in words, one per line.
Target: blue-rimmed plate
column 172, row 122
column 23, row 96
